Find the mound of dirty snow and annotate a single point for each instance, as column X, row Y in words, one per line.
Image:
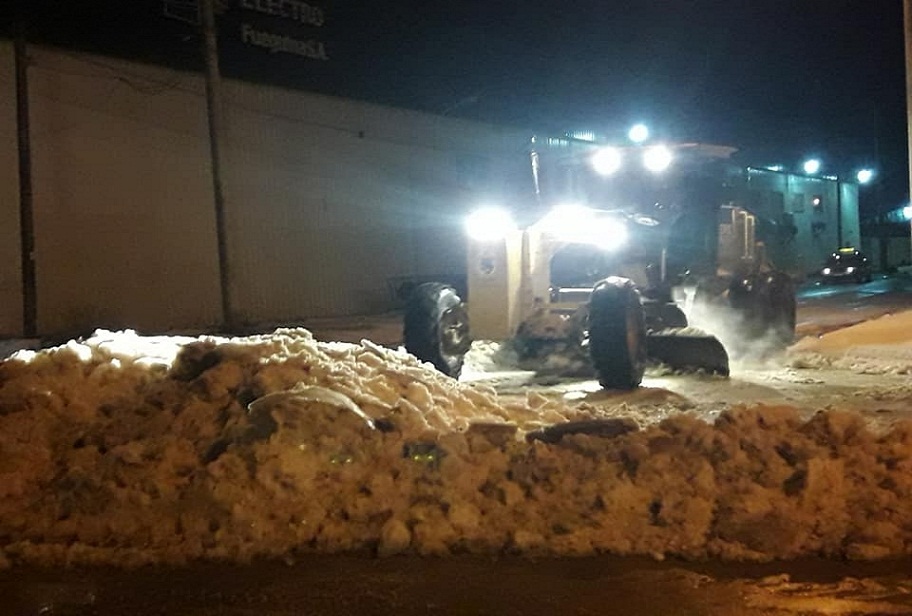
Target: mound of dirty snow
column 128, row 450
column 879, row 346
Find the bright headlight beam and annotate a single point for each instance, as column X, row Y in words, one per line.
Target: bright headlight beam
column 489, row 224
column 606, row 161
column 565, row 221
column 657, row 158
column 577, row 224
column 609, row 234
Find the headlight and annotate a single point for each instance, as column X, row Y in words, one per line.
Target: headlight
column 489, row 224
column 606, row 161
column 580, row 225
column 850, row 269
column 826, row 271
column 657, row 158
column 609, row 234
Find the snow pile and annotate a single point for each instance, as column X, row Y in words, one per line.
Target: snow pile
column 879, row 346
column 486, row 356
column 272, row 445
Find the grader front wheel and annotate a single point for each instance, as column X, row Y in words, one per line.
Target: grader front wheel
column 617, row 334
column 436, row 327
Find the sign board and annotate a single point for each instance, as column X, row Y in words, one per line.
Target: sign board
column 292, row 28
column 182, row 10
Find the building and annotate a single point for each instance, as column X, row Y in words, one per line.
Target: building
column 887, row 238
column 818, row 214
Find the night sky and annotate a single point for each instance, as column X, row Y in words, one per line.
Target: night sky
column 781, row 79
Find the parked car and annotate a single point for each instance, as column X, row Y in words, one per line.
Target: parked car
column 847, row 264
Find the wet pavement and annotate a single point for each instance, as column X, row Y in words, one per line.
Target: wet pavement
column 405, row 586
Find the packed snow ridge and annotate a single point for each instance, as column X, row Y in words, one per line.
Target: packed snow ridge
column 127, row 450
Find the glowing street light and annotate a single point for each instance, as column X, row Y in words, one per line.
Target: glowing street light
column 638, row 133
column 907, row 212
column 812, row 166
column 864, row 176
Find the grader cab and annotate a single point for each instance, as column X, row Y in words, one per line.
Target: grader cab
column 597, row 273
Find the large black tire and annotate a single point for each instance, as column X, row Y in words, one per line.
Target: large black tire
column 766, row 303
column 436, row 327
column 782, row 307
column 663, row 315
column 617, row 333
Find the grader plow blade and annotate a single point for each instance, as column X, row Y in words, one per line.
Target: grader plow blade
column 687, row 350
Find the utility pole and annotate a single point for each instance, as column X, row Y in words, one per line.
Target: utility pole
column 907, row 32
column 26, row 215
column 215, row 111
column 839, row 243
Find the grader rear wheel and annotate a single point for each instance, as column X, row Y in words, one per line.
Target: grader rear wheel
column 766, row 305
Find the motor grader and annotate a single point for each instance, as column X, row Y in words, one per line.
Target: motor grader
column 615, row 243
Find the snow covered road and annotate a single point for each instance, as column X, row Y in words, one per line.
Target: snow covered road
column 854, row 373
column 854, row 352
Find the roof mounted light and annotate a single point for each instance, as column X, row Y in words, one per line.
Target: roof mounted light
column 657, row 158
column 638, row 133
column 606, row 161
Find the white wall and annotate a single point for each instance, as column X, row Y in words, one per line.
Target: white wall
column 326, row 199
column 10, row 280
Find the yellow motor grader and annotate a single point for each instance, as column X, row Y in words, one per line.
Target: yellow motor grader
column 599, row 265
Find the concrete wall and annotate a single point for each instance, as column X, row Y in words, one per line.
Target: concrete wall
column 326, row 199
column 887, row 253
column 10, row 279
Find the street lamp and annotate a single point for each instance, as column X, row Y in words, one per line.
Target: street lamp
column 864, row 176
column 812, row 166
column 638, row 133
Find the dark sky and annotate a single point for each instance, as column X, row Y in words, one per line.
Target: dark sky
column 781, row 79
